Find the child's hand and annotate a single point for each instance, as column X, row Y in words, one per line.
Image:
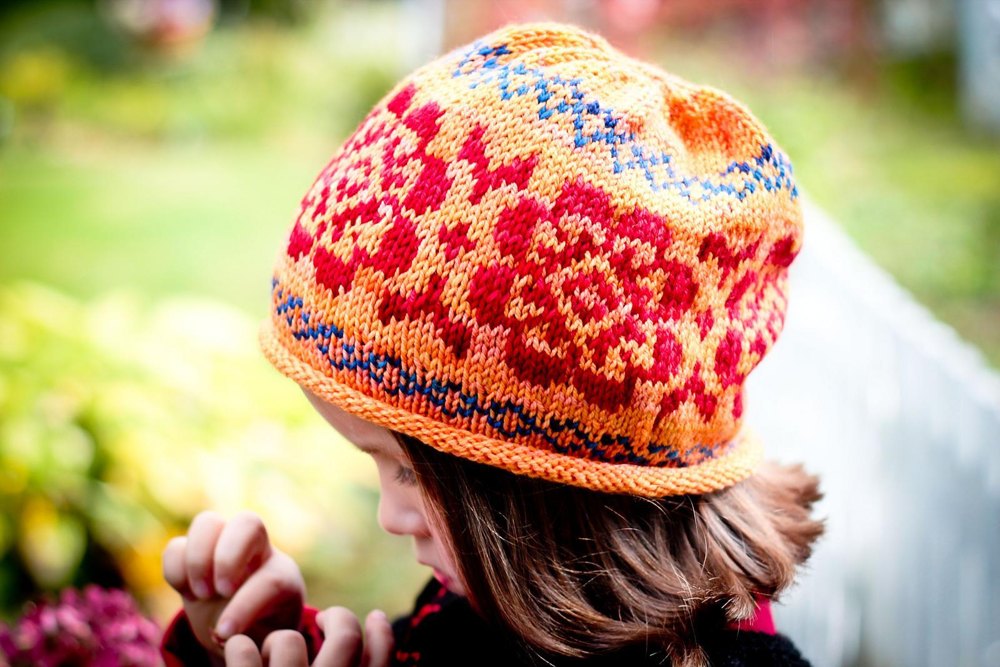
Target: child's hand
column 343, row 645
column 232, row 580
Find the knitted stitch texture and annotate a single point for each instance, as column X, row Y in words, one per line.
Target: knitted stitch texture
column 540, row 254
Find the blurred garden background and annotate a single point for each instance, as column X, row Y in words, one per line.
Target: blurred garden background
column 153, row 152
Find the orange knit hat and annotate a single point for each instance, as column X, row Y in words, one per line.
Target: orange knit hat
column 540, row 254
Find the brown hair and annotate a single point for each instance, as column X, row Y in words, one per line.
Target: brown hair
column 574, row 572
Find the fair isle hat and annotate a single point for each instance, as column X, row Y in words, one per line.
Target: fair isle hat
column 540, row 254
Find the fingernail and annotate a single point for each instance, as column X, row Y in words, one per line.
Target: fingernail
column 224, row 630
column 200, row 589
column 224, row 588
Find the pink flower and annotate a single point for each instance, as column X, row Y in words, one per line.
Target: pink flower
column 96, row 627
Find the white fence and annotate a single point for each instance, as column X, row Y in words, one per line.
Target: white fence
column 902, row 421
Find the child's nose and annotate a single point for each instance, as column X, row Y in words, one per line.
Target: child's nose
column 400, row 518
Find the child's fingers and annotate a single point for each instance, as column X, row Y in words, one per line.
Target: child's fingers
column 240, row 651
column 378, row 640
column 174, row 568
column 342, row 640
column 286, row 648
column 241, row 548
column 201, row 539
column 274, row 591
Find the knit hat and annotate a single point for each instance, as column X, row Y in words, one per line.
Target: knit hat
column 540, row 254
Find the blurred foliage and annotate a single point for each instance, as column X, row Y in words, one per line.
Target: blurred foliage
column 152, row 174
column 121, row 416
column 73, row 31
column 65, row 71
column 119, row 422
column 287, row 12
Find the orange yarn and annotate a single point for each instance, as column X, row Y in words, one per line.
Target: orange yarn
column 540, row 254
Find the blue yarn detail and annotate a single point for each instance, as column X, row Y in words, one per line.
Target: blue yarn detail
column 496, row 414
column 288, row 304
column 739, row 179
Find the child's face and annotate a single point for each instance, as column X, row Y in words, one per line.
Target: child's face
column 401, row 508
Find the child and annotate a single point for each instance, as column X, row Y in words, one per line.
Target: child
column 531, row 285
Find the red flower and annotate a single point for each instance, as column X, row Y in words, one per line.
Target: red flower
column 605, row 307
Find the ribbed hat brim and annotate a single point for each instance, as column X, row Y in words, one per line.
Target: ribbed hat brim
column 734, row 465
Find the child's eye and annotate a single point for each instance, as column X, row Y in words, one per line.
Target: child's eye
column 406, row 476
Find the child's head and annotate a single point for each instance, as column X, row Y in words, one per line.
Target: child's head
column 549, row 269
